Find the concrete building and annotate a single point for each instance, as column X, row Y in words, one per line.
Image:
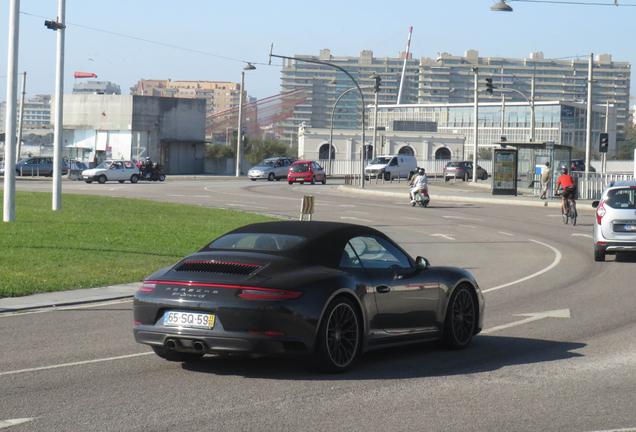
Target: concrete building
column 450, row 79
column 218, row 95
column 36, row 112
column 317, row 79
column 97, row 87
column 170, row 131
column 313, row 144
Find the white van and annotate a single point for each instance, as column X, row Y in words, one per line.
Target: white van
column 391, row 167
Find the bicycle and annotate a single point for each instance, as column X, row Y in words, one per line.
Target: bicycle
column 570, row 209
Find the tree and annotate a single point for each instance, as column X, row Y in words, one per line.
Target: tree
column 627, row 146
column 220, row 151
column 258, row 149
column 484, row 153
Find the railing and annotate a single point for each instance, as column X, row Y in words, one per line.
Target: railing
column 592, row 188
column 434, row 168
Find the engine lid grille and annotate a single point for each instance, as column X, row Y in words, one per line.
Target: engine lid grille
column 218, row 267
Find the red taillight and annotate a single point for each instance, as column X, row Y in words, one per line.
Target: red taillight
column 137, row 323
column 148, row 286
column 268, row 294
column 267, row 333
column 600, row 212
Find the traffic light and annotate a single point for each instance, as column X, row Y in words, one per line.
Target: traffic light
column 603, row 143
column 376, row 86
column 489, row 87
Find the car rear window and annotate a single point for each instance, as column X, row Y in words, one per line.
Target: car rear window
column 300, row 167
column 453, row 165
column 621, row 198
column 257, row 241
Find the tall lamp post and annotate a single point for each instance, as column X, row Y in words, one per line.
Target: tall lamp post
column 530, row 102
column 362, row 149
column 476, row 124
column 12, row 96
column 239, row 134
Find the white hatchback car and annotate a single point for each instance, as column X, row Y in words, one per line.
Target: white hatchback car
column 615, row 225
column 112, row 170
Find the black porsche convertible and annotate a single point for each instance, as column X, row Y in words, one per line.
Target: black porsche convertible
column 324, row 289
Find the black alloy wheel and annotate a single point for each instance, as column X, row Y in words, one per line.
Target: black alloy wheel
column 176, row 356
column 461, row 319
column 338, row 342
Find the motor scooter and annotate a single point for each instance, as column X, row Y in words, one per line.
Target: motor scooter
column 421, row 198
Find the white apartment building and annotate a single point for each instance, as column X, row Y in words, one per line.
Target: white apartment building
column 97, row 87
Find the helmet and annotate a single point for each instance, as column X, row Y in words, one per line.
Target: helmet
column 564, row 170
column 420, row 171
column 147, row 158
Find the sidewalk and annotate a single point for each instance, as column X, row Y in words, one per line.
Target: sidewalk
column 438, row 190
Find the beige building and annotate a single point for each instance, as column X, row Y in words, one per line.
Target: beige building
column 219, row 96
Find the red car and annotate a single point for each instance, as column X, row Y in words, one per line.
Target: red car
column 306, row 171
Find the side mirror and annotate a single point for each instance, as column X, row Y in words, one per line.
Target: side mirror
column 595, row 204
column 422, row 263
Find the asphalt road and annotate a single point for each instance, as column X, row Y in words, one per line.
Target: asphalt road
column 557, row 352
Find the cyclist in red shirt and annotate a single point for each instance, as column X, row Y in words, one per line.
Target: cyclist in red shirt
column 567, row 183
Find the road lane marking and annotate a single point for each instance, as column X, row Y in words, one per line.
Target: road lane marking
column 355, row 218
column 468, row 226
column 561, row 313
column 410, row 218
column 557, row 259
column 464, row 218
column 14, row 422
column 444, row 236
column 505, row 233
column 19, row 371
column 582, row 235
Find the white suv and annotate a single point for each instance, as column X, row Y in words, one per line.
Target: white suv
column 615, row 225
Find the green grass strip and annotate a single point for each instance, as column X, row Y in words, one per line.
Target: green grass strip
column 99, row 241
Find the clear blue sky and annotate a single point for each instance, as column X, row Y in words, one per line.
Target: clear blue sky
column 143, row 39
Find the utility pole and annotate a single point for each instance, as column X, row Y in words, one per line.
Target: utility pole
column 10, row 136
column 376, row 88
column 588, row 132
column 476, row 128
column 17, row 156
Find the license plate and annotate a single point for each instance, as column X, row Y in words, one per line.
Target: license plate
column 188, row 319
column 629, row 227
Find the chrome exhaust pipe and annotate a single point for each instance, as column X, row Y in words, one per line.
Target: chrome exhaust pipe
column 199, row 346
column 171, row 343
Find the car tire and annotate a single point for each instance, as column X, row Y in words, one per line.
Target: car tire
column 302, row 182
column 446, row 178
column 324, row 179
column 134, row 178
column 485, row 176
column 290, row 182
column 277, row 178
column 313, row 180
column 339, row 338
column 89, row 181
column 17, row 173
column 253, row 179
column 176, row 356
column 461, row 319
column 387, row 176
column 102, row 179
column 271, row 177
column 599, row 255
column 465, row 177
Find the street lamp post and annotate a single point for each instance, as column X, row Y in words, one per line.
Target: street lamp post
column 476, row 126
column 530, row 102
column 362, row 149
column 239, row 134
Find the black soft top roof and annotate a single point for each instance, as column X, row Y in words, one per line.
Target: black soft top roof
column 325, row 240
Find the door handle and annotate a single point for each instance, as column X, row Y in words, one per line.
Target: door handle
column 383, row 289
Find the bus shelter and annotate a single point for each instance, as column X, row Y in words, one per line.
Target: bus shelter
column 530, row 163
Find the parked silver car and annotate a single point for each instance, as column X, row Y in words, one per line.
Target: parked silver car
column 615, row 225
column 463, row 170
column 275, row 168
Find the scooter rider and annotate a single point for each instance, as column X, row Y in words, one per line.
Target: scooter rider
column 418, row 183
